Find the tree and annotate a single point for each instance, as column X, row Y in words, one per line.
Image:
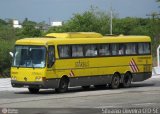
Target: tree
column 5, row 59
column 30, row 29
column 2, row 22
column 90, row 21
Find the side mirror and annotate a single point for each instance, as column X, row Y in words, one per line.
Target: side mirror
column 11, row 54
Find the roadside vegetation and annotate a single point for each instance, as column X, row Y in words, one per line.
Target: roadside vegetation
column 93, row 20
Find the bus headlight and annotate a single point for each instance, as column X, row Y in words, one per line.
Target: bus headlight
column 38, row 78
column 14, row 78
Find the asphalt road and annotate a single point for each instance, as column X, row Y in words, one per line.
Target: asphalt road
column 141, row 95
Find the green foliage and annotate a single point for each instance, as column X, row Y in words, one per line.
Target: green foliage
column 2, row 22
column 30, row 30
column 7, row 33
column 89, row 21
column 5, row 59
column 134, row 26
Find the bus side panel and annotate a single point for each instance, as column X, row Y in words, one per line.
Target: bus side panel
column 97, row 71
column 137, row 77
column 90, row 80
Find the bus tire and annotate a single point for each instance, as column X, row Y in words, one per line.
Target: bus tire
column 127, row 80
column 63, row 85
column 115, row 81
column 33, row 90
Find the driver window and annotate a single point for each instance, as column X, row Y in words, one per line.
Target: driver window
column 50, row 56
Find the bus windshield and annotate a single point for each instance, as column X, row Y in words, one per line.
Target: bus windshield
column 29, row 56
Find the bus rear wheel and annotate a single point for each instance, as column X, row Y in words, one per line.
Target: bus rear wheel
column 33, row 90
column 127, row 80
column 63, row 86
column 115, row 81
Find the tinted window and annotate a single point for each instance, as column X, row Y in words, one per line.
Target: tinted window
column 104, row 50
column 91, row 50
column 51, row 58
column 144, row 48
column 121, row 48
column 130, row 48
column 29, row 56
column 114, row 49
column 77, row 51
column 64, row 51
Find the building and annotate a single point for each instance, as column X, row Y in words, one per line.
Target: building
column 16, row 24
column 56, row 23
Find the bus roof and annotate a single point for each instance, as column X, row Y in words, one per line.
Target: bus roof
column 82, row 38
column 75, row 35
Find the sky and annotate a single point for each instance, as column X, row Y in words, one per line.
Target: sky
column 62, row 10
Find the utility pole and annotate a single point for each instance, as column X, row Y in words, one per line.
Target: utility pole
column 49, row 21
column 111, row 20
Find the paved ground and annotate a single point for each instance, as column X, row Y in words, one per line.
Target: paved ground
column 141, row 95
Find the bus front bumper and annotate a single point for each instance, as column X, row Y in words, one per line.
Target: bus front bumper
column 41, row 85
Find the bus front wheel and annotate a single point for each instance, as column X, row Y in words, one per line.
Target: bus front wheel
column 63, row 86
column 115, row 81
column 33, row 90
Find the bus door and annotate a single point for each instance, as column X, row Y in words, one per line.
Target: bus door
column 50, row 62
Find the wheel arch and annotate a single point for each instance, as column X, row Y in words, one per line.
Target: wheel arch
column 129, row 72
column 63, row 84
column 117, row 73
column 65, row 77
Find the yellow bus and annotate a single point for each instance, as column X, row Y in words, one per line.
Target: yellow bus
column 62, row 60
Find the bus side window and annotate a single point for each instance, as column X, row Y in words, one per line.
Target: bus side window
column 91, row 50
column 77, row 51
column 104, row 50
column 51, row 57
column 64, row 51
column 147, row 48
column 130, row 49
column 114, row 49
column 144, row 48
column 121, row 49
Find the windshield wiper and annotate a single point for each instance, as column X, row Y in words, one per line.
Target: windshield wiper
column 31, row 61
column 32, row 64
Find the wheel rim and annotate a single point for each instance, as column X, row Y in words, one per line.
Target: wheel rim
column 126, row 80
column 64, row 85
column 115, row 82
